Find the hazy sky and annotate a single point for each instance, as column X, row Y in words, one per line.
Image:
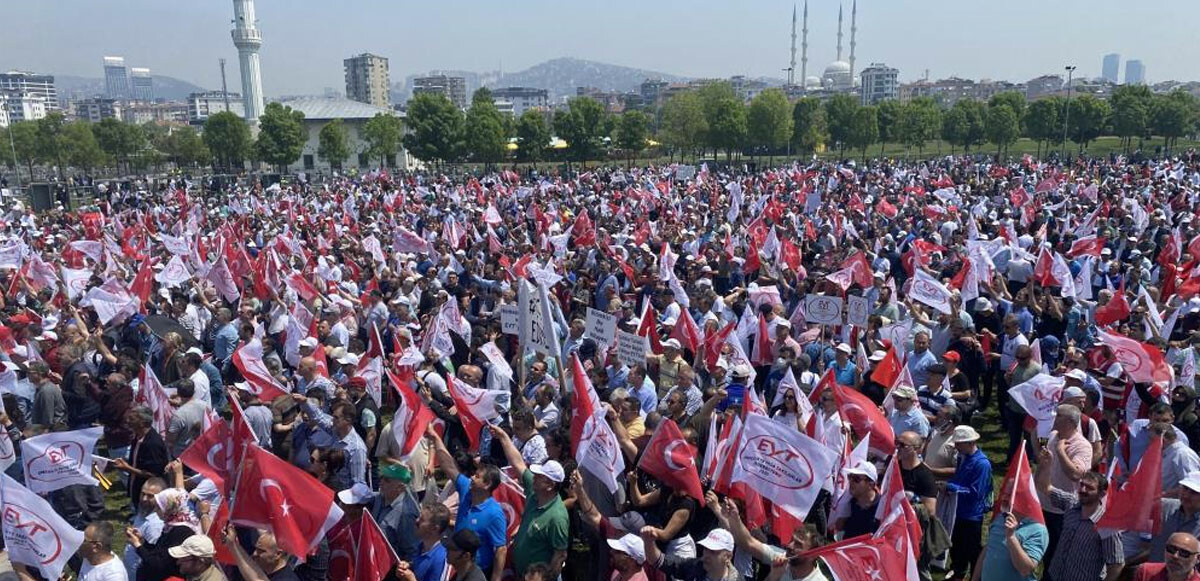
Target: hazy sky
column 306, row 40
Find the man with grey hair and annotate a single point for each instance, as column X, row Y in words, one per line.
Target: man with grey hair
column 1070, row 459
column 148, row 455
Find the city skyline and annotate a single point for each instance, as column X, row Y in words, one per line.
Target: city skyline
column 302, row 55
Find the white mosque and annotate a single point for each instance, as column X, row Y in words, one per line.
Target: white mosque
column 839, row 74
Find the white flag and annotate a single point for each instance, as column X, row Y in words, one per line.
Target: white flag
column 34, row 534
column 58, row 459
column 179, row 246
column 174, row 274
column 782, row 464
column 599, row 452
column 1039, row 397
column 928, row 290
column 76, row 280
column 8, row 453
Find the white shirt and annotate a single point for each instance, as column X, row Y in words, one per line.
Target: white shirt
column 111, row 570
column 200, row 380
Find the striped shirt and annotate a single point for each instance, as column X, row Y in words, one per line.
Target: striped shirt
column 1083, row 553
column 356, row 450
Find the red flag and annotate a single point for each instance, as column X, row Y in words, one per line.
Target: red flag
column 374, row 558
column 143, row 283
column 670, row 459
column 1136, row 506
column 1142, row 361
column 291, row 503
column 648, row 328
column 1114, row 310
column 1018, row 494
column 893, row 498
column 1090, row 245
column 860, row 269
column 687, row 332
column 753, row 262
column 303, row 288
column 343, row 538
column 511, row 496
column 888, row 370
column 412, row 415
column 211, row 454
column 474, row 406
column 789, row 254
column 862, row 415
column 582, row 230
column 862, row 558
column 249, row 362
column 713, row 343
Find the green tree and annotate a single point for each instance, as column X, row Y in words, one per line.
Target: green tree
column 963, row 124
column 50, row 147
column 888, row 115
column 769, row 121
column 711, row 96
column 1089, row 119
column 80, row 145
column 1015, row 101
column 384, row 134
column 435, row 128
column 281, row 135
column 839, row 114
column 21, row 137
column 1173, row 116
column 533, row 136
column 864, row 130
column 809, row 130
column 333, row 143
column 228, row 139
column 185, row 147
column 583, row 124
column 1043, row 122
column 631, row 132
column 1002, row 126
column 1130, row 112
column 920, row 121
column 683, row 123
column 727, row 126
column 121, row 141
column 485, row 136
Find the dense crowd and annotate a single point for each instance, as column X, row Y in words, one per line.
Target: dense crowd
column 677, row 372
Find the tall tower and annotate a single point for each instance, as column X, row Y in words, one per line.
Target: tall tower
column 804, row 48
column 839, row 46
column 792, row 63
column 853, row 30
column 248, row 40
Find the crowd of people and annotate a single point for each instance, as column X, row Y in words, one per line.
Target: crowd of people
column 427, row 377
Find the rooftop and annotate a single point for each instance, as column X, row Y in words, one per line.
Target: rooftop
column 334, row 108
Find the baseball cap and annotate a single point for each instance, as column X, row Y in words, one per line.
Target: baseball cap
column 464, row 540
column 672, row 343
column 1191, row 481
column 348, row 359
column 550, row 469
column 877, row 356
column 717, row 540
column 864, row 469
column 631, row 545
column 193, row 546
column 952, row 356
column 983, row 305
column 358, row 494
column 396, row 472
column 742, row 370
column 1072, row 391
column 845, row 348
column 310, row 342
column 629, row 522
column 964, row 433
column 905, row 392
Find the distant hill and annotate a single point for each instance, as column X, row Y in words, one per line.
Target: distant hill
column 165, row 87
column 561, row 76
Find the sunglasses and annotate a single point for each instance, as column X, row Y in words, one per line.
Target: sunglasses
column 1179, row 552
column 859, row 478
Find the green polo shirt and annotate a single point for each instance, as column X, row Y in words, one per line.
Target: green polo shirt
column 543, row 529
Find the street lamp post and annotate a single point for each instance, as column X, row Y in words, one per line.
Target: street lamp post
column 1067, row 115
column 16, row 165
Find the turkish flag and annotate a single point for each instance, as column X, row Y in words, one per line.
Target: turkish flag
column 248, row 359
column 343, row 538
column 374, row 557
column 648, row 328
column 475, row 407
column 1137, row 506
column 1089, row 245
column 669, row 458
column 211, row 454
column 1143, row 362
column 143, row 283
column 893, row 498
column 412, row 415
column 859, row 268
column 762, row 344
column 582, row 230
column 292, row 504
column 753, row 262
column 303, row 288
column 511, row 496
column 888, row 370
column 1115, row 309
column 713, row 343
column 687, row 332
column 1018, row 493
column 862, row 414
column 862, row 558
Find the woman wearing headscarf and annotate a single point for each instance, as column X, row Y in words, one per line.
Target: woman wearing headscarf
column 179, row 523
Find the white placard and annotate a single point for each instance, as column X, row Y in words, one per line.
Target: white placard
column 537, row 326
column 858, row 311
column 631, row 348
column 822, row 309
column 601, row 326
column 510, row 319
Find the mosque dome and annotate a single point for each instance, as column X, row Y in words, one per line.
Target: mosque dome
column 837, row 76
column 812, row 82
column 837, row 68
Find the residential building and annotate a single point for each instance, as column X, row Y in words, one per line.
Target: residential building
column 453, row 88
column 1111, row 67
column 613, row 101
column 522, row 98
column 141, row 84
column 1135, row 72
column 201, row 105
column 141, row 113
column 24, row 106
column 746, row 89
column 96, row 109
column 1043, row 86
column 985, row 89
column 33, row 83
column 319, row 111
column 5, row 120
column 945, row 91
column 116, row 78
column 879, row 83
column 367, row 79
column 652, row 90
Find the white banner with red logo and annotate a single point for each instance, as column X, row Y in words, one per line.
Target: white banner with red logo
column 59, row 459
column 782, row 464
column 34, row 535
column 1039, row 397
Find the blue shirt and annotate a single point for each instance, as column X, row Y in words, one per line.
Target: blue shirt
column 997, row 565
column 912, row 420
column 919, row 364
column 972, row 482
column 486, row 519
column 845, row 375
column 430, row 565
column 226, row 341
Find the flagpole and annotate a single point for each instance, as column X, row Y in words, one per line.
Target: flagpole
column 1012, row 495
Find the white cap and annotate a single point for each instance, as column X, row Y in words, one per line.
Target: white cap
column 964, row 434
column 631, row 545
column 845, row 348
column 550, row 469
column 864, row 468
column 672, row 343
column 877, row 356
column 310, row 342
column 1191, row 481
column 717, row 540
column 348, row 359
column 358, row 494
column 983, row 305
column 1072, row 391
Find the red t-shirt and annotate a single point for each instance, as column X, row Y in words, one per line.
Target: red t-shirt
column 1157, row 572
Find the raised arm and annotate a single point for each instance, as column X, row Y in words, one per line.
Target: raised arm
column 444, row 458
column 510, row 449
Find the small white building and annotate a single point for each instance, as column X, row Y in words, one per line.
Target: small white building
column 21, row 106
column 318, row 111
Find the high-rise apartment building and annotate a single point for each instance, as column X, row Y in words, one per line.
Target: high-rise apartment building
column 367, row 79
